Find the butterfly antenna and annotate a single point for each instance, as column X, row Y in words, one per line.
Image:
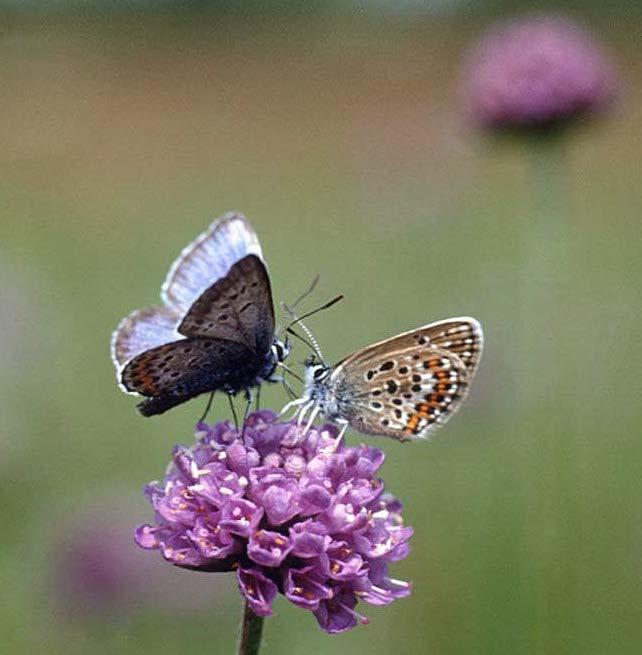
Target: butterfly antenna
column 310, row 341
column 298, row 320
column 287, row 369
column 298, row 336
column 306, row 293
column 300, row 299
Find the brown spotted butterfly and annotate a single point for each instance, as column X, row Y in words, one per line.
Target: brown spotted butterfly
column 401, row 387
column 215, row 330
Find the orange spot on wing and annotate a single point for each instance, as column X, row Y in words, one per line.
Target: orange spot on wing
column 146, row 378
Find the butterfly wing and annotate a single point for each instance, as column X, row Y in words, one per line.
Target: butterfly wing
column 404, row 386
column 237, row 307
column 461, row 336
column 142, row 330
column 207, row 259
column 171, row 374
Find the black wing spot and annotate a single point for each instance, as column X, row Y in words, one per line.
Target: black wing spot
column 386, row 366
column 416, row 378
column 392, row 386
column 403, row 370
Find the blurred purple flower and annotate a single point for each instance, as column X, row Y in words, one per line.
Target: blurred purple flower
column 96, row 569
column 536, row 71
column 301, row 515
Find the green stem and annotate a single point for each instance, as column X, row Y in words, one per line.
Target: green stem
column 544, row 269
column 251, row 632
column 549, row 332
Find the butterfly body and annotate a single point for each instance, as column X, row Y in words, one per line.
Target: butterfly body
column 215, row 331
column 401, row 387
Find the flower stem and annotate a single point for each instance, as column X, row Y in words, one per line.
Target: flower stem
column 251, row 631
column 544, row 269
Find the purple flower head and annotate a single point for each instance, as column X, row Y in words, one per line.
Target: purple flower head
column 301, row 515
column 536, row 72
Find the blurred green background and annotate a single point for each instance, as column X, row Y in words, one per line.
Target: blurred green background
column 336, row 129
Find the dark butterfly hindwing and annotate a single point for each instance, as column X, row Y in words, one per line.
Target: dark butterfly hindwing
column 237, row 307
column 184, row 369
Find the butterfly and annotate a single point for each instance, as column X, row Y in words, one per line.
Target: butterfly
column 402, row 387
column 215, row 329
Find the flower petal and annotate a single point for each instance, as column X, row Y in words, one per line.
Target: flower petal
column 259, row 590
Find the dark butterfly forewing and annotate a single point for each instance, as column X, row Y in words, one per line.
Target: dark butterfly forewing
column 237, row 307
column 177, row 371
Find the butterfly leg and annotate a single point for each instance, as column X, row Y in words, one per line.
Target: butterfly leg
column 236, row 419
column 248, row 404
column 294, row 403
column 288, row 388
column 207, row 408
column 334, row 445
column 303, row 411
column 313, row 415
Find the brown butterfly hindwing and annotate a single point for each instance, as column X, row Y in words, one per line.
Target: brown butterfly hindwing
column 175, row 372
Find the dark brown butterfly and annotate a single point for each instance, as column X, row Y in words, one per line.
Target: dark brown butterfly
column 215, row 330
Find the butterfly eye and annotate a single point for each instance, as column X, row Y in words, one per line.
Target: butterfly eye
column 280, row 350
column 320, row 372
